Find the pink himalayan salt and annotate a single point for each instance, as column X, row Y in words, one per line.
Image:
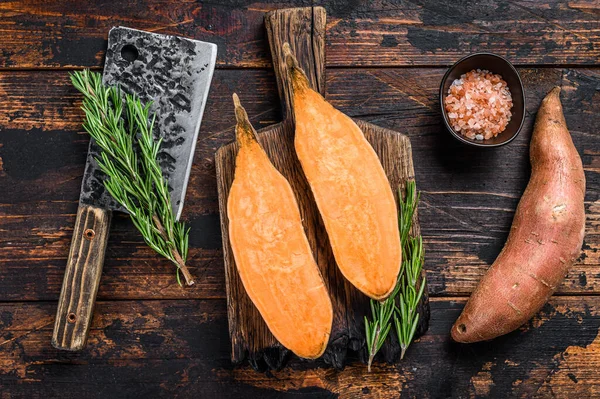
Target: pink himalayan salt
column 478, row 104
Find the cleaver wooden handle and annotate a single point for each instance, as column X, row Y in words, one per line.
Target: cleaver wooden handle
column 82, row 277
column 304, row 29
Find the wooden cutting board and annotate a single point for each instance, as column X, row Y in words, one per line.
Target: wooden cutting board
column 304, row 29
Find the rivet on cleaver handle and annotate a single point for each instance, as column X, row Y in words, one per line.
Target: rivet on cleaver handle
column 175, row 74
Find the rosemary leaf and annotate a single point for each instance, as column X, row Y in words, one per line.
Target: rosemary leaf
column 122, row 127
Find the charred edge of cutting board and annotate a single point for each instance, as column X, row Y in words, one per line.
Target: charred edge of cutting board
column 336, row 352
column 271, row 358
column 339, row 348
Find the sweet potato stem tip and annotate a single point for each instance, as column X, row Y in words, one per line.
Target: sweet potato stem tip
column 287, row 53
column 236, row 101
column 244, row 130
column 297, row 75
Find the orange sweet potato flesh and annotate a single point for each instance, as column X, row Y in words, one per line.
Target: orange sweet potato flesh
column 350, row 187
column 271, row 251
column 545, row 237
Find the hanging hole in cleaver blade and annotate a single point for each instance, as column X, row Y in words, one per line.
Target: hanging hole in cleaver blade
column 129, row 53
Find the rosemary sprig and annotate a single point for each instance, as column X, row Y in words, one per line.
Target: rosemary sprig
column 406, row 317
column 376, row 331
column 403, row 310
column 122, row 128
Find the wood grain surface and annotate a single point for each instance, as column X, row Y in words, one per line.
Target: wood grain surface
column 175, row 348
column 465, row 211
column 70, row 33
column 152, row 338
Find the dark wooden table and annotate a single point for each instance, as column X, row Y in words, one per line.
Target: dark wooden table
column 151, row 338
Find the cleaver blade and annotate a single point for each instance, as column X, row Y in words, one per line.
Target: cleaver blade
column 174, row 73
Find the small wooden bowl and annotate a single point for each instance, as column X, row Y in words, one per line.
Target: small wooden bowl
column 495, row 64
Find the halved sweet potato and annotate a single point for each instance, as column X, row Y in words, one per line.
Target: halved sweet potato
column 271, row 251
column 350, row 188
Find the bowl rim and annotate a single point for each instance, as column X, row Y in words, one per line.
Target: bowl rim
column 457, row 135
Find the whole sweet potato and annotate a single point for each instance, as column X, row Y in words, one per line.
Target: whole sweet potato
column 544, row 240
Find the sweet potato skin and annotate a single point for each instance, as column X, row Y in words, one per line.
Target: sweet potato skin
column 545, row 238
column 272, row 253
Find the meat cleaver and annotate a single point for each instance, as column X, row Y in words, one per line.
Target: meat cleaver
column 175, row 74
